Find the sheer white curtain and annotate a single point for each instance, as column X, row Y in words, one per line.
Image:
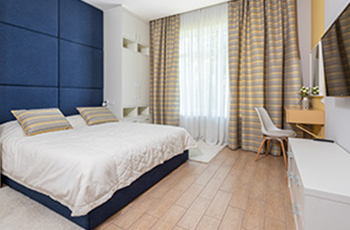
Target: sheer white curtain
column 204, row 80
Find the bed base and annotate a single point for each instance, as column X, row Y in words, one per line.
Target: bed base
column 119, row 200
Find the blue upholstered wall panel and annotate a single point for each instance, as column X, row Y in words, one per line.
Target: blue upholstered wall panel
column 27, row 58
column 80, row 66
column 38, row 15
column 72, row 97
column 35, row 61
column 24, row 97
column 82, row 23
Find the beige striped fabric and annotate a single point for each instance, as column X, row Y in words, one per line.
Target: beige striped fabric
column 336, row 51
column 38, row 121
column 264, row 67
column 96, row 115
column 164, row 65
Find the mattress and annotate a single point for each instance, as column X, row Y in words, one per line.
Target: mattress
column 83, row 167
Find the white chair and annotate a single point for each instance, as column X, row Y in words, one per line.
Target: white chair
column 271, row 132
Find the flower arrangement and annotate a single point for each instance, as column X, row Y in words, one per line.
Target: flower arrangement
column 304, row 91
column 315, row 90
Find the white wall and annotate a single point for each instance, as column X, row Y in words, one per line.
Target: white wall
column 332, row 9
column 337, row 109
column 304, row 33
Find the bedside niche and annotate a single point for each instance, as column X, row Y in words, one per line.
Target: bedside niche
column 137, row 114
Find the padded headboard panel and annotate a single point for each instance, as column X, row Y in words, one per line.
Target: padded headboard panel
column 22, row 97
column 81, row 23
column 36, row 15
column 78, row 97
column 23, row 54
column 51, row 55
column 80, row 66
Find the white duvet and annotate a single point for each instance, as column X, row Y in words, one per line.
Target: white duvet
column 82, row 168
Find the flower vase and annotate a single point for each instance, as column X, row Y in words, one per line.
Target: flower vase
column 305, row 103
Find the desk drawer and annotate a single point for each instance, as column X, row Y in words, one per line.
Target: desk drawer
column 314, row 117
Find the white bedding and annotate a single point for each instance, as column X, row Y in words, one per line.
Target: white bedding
column 82, row 168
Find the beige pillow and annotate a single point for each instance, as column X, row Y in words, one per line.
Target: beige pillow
column 36, row 121
column 96, row 115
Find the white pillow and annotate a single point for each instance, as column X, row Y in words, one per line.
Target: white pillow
column 77, row 121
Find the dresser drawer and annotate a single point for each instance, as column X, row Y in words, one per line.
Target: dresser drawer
column 324, row 214
column 298, row 218
column 319, row 185
column 296, row 191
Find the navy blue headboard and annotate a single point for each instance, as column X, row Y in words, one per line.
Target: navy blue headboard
column 51, row 55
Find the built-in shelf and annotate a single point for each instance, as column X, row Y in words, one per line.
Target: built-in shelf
column 135, row 111
column 136, row 114
column 135, row 47
column 127, row 77
column 143, row 49
column 129, row 44
column 138, row 119
column 143, row 110
column 129, row 112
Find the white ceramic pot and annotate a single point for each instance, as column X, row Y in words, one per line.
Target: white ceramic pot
column 305, row 103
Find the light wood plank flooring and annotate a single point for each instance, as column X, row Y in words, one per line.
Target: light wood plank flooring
column 232, row 192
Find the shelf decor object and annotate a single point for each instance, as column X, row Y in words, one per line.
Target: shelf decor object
column 315, row 91
column 304, row 93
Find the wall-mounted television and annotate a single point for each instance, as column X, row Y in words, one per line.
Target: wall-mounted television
column 336, row 56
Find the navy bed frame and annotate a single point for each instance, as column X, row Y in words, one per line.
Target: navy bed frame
column 51, row 56
column 119, row 200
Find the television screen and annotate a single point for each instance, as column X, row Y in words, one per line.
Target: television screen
column 336, row 56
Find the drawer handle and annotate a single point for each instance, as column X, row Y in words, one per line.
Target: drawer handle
column 296, row 209
column 290, row 175
column 296, row 180
column 290, row 154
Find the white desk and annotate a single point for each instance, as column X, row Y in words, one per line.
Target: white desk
column 319, row 182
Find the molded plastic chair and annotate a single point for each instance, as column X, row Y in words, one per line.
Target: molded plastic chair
column 271, row 132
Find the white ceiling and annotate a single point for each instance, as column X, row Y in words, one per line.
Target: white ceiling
column 153, row 9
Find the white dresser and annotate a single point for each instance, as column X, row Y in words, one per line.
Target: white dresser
column 319, row 182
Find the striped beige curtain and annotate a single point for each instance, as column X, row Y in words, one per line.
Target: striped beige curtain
column 164, row 70
column 264, row 67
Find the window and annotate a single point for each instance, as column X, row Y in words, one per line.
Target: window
column 204, row 76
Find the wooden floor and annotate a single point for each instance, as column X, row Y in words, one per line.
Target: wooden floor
column 231, row 192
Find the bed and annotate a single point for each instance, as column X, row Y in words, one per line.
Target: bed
column 44, row 65
column 88, row 173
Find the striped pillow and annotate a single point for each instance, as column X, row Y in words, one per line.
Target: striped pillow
column 38, row 121
column 96, row 115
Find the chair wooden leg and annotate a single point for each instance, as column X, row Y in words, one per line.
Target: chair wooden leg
column 284, row 154
column 261, row 146
column 267, row 147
